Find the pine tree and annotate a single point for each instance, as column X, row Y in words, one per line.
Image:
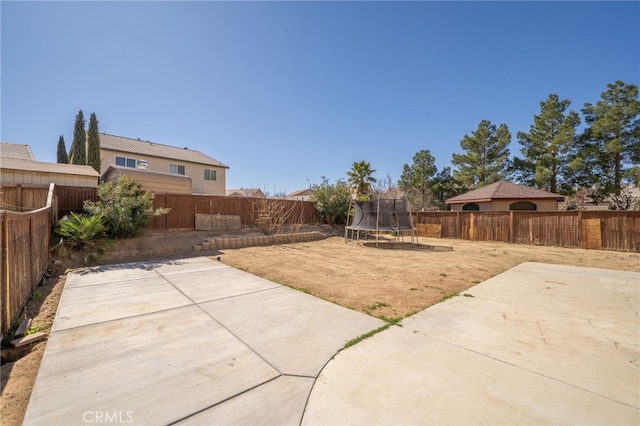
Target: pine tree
column 62, row 156
column 78, row 146
column 417, row 179
column 548, row 144
column 612, row 139
column 93, row 142
column 486, row 158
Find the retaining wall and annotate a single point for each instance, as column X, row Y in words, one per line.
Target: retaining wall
column 219, row 243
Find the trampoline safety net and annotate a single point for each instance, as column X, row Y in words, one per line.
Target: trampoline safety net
column 381, row 215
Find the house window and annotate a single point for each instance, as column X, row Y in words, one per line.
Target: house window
column 209, row 174
column 523, row 205
column 125, row 162
column 471, row 207
column 176, row 169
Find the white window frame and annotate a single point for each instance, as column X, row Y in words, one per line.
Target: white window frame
column 127, row 160
column 177, row 169
column 211, row 172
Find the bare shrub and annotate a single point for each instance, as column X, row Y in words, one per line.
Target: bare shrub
column 623, row 201
column 577, row 201
column 273, row 214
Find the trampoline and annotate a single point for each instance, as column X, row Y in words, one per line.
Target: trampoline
column 379, row 217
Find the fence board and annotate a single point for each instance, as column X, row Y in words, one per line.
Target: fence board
column 620, row 230
column 22, row 198
column 159, row 222
column 4, row 317
column 491, row 226
column 24, row 242
column 183, row 209
column 71, row 198
column 182, row 214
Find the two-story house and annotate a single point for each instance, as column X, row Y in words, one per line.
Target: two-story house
column 120, row 155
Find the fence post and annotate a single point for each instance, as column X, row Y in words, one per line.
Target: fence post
column 4, row 306
column 50, row 201
column 579, row 230
column 511, row 227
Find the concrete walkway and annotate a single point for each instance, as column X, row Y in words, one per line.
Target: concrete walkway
column 197, row 342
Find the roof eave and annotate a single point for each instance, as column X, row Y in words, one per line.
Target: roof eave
column 485, row 200
column 218, row 164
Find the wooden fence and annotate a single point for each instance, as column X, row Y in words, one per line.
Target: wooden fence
column 22, row 198
column 24, row 252
column 608, row 230
column 183, row 209
column 71, row 199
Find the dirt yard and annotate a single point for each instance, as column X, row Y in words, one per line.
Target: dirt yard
column 389, row 281
column 398, row 280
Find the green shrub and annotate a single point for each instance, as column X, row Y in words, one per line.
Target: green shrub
column 332, row 201
column 78, row 230
column 127, row 210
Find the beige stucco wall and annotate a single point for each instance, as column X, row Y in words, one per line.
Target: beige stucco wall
column 44, row 178
column 155, row 183
column 503, row 205
column 193, row 170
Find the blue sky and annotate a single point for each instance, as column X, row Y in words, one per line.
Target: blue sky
column 287, row 92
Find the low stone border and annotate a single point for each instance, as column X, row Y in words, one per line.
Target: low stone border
column 259, row 240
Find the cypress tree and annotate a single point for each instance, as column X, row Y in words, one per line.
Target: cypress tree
column 62, row 151
column 78, row 146
column 93, row 139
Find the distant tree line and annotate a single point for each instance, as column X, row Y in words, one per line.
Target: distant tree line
column 555, row 157
column 85, row 148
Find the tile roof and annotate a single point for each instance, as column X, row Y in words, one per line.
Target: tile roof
column 251, row 193
column 14, row 150
column 301, row 192
column 152, row 149
column 40, row 166
column 503, row 190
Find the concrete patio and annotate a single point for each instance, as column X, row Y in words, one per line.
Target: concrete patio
column 538, row 344
column 194, row 341
column 188, row 340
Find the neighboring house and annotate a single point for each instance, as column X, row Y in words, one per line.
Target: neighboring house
column 151, row 181
column 302, row 195
column 14, row 150
column 251, row 193
column 15, row 171
column 208, row 175
column 505, row 196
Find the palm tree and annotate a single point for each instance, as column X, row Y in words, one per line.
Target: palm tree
column 360, row 177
